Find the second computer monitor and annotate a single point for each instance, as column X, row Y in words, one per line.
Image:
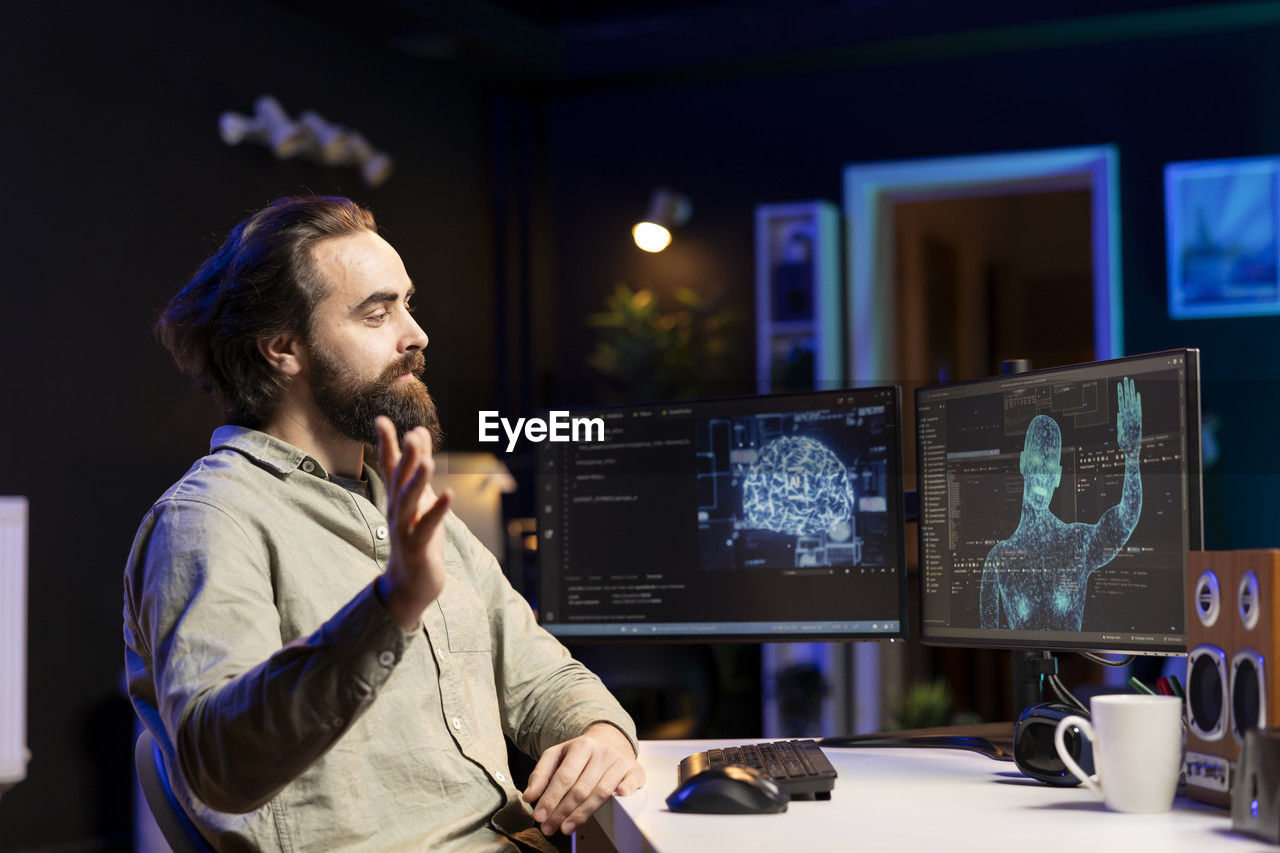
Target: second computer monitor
column 755, row 518
column 1057, row 506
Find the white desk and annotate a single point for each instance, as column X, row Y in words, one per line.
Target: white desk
column 951, row 801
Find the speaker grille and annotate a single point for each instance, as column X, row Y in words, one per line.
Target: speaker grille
column 1208, row 598
column 1248, row 693
column 1247, row 601
column 1207, row 692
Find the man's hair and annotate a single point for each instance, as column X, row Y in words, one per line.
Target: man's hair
column 262, row 282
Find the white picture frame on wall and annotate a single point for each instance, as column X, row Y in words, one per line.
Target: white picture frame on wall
column 799, row 314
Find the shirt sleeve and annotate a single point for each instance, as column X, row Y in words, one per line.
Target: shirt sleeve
column 245, row 713
column 546, row 697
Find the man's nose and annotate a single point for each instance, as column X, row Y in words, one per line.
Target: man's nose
column 414, row 338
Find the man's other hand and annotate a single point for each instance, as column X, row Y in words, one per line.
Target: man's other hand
column 572, row 779
column 415, row 573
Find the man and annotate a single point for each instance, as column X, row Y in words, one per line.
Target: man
column 1037, row 578
column 326, row 655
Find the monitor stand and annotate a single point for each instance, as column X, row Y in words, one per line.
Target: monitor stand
column 1029, row 670
column 994, row 740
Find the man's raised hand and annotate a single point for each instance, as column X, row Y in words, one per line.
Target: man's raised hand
column 415, row 573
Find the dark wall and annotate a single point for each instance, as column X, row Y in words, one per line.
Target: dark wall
column 732, row 144
column 116, row 186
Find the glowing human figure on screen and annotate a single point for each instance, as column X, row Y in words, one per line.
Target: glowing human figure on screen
column 1036, row 579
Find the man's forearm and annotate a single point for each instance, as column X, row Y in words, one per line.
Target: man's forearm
column 240, row 743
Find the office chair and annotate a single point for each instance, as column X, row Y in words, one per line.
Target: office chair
column 174, row 824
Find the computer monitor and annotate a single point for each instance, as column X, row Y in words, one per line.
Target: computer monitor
column 755, row 518
column 1057, row 506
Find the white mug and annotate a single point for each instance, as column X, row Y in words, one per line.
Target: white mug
column 1137, row 750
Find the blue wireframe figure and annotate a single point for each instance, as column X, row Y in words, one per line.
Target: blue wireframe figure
column 1036, row 579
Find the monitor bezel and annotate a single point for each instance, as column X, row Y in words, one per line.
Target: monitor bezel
column 1195, row 510
column 894, row 483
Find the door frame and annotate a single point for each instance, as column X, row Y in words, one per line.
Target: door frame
column 870, row 190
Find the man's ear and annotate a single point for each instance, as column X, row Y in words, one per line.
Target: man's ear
column 285, row 352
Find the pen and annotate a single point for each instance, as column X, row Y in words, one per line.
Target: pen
column 1162, row 684
column 1177, row 687
column 1139, row 686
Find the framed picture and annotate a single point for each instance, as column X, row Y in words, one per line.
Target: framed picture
column 1223, row 219
column 799, row 339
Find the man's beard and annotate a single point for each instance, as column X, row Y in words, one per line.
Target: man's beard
column 351, row 405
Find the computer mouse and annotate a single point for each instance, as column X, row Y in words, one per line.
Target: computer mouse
column 730, row 789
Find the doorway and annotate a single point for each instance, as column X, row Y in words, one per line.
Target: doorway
column 955, row 264
column 982, row 279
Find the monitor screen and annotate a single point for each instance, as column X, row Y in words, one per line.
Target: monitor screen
column 1057, row 506
column 754, row 518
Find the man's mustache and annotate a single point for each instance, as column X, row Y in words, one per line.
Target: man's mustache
column 414, row 362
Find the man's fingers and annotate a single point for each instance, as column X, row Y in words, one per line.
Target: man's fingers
column 417, row 451
column 611, row 779
column 431, row 519
column 542, row 773
column 602, row 790
column 407, row 503
column 632, row 782
column 388, row 446
column 584, row 794
column 399, row 477
column 572, row 760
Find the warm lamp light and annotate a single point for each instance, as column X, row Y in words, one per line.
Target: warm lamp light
column 651, row 236
column 478, row 481
column 668, row 209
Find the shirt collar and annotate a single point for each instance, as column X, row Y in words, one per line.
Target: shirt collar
column 284, row 458
column 279, row 456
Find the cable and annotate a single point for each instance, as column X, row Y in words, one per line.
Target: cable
column 1065, row 695
column 1099, row 659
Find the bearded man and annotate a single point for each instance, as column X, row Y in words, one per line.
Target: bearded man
column 326, row 656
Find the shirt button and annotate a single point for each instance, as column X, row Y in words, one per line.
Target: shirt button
column 337, row 722
column 381, row 532
column 500, row 777
column 386, row 658
column 308, row 465
column 440, row 653
column 457, row 723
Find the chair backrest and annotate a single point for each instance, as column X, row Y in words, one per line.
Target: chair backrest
column 177, row 828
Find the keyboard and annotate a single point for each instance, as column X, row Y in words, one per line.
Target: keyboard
column 798, row 766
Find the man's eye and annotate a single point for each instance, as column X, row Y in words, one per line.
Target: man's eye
column 377, row 319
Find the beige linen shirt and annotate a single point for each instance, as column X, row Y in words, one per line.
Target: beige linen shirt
column 292, row 711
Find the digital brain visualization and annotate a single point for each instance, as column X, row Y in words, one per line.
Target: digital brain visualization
column 797, row 486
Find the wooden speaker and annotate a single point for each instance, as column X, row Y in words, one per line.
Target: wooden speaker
column 1233, row 600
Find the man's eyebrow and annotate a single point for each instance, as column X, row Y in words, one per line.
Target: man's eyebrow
column 379, row 297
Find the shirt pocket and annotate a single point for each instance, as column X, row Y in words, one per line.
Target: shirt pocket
column 466, row 622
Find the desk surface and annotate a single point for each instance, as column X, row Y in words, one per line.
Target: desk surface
column 910, row 799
